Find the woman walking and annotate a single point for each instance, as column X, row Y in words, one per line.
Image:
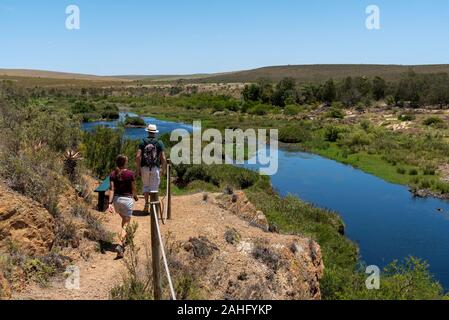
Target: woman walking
column 122, row 195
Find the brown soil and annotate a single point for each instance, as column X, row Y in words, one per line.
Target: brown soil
column 193, row 219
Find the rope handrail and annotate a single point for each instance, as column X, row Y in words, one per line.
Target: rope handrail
column 164, row 256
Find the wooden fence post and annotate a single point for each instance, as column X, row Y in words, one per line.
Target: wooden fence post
column 169, row 190
column 155, row 247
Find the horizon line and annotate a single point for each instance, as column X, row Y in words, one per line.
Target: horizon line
column 218, row 72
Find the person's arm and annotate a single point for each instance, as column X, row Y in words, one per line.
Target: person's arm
column 111, row 196
column 139, row 162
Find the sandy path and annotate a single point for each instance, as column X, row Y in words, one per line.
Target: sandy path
column 98, row 274
column 101, row 272
column 192, row 218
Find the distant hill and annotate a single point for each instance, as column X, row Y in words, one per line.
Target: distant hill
column 26, row 73
column 317, row 73
column 165, row 77
column 301, row 73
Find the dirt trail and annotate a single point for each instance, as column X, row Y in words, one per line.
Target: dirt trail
column 101, row 272
column 194, row 217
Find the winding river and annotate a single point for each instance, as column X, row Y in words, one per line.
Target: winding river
column 384, row 219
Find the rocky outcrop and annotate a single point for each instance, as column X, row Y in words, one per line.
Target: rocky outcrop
column 232, row 258
column 239, row 205
column 24, row 223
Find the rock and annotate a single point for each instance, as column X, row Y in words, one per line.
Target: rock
column 5, row 290
column 239, row 204
column 188, row 246
column 25, row 223
column 260, row 266
column 243, row 276
column 202, row 247
column 228, row 190
column 273, row 228
column 232, row 236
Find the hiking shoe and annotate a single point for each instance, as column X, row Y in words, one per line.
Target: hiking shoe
column 146, row 209
column 120, row 252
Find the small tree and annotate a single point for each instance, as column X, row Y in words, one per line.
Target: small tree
column 328, row 92
column 379, row 88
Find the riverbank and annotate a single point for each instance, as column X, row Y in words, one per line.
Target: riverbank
column 344, row 277
column 378, row 167
column 365, row 141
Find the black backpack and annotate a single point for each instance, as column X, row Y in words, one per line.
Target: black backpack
column 150, row 154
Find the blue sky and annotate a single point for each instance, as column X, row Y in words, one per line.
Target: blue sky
column 196, row 36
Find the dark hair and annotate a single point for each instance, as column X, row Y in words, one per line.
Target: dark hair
column 120, row 163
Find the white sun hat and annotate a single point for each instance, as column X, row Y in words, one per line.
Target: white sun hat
column 152, row 128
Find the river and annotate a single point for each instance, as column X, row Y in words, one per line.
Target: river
column 384, row 219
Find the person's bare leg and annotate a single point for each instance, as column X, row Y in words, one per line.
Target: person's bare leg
column 121, row 248
column 125, row 223
column 147, row 202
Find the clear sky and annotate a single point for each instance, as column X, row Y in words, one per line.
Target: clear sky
column 202, row 36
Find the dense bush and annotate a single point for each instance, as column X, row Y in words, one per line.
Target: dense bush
column 332, row 133
column 294, row 134
column 412, row 90
column 83, row 107
column 431, row 121
column 406, row 117
column 292, row 110
column 216, row 175
column 30, row 148
column 260, row 109
column 135, row 122
column 101, row 147
column 91, row 111
column 336, row 113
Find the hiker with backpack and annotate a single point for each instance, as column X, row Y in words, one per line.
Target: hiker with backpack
column 122, row 195
column 151, row 163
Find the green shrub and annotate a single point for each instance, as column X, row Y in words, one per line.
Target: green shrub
column 35, row 174
column 432, row 121
column 332, row 134
column 101, row 147
column 441, row 186
column 406, row 117
column 260, row 109
column 366, row 125
column 412, row 274
column 197, row 172
column 425, row 184
column 401, row 171
column 413, row 172
column 429, row 170
column 336, row 113
column 83, row 107
column 294, row 134
column 355, row 141
column 135, row 121
column 110, row 115
column 292, row 110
